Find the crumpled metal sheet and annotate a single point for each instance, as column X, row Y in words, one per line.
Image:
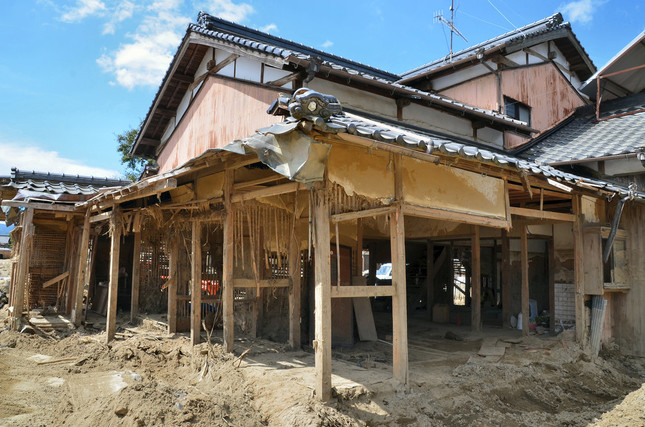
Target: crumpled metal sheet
column 286, row 150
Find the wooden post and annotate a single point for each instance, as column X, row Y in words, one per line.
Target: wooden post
column 525, row 281
column 399, row 299
column 115, row 248
column 81, row 277
column 227, row 264
column 475, row 304
column 196, row 281
column 578, row 273
column 294, row 291
column 322, row 296
column 358, row 270
column 429, row 278
column 551, row 282
column 21, row 284
column 136, row 273
column 506, row 280
column 173, row 280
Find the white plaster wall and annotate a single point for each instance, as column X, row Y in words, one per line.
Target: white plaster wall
column 460, row 76
column 491, row 136
column 419, row 115
column 354, row 98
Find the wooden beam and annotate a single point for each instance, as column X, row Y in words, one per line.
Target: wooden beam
column 100, row 217
column 551, row 267
column 20, row 284
column 196, row 283
column 145, row 191
column 227, row 263
column 115, row 248
column 350, row 216
column 39, row 205
column 284, row 80
column 524, row 255
column 136, row 275
column 242, row 283
column 443, row 214
column 399, row 300
column 430, row 272
column 390, row 148
column 578, row 272
column 81, row 274
column 259, row 181
column 506, row 280
column 223, row 63
column 173, row 268
column 322, row 294
column 269, row 191
column 362, row 291
column 294, row 275
column 56, row 279
column 546, row 215
column 476, row 286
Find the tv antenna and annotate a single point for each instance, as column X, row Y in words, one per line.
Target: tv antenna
column 438, row 17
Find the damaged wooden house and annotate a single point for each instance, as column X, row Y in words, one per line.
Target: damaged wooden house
column 299, row 191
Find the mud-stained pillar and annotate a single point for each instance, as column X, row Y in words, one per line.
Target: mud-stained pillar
column 322, row 293
column 525, row 280
column 294, row 292
column 227, row 264
column 399, row 299
column 475, row 303
column 506, row 280
column 81, row 275
column 20, row 283
column 173, row 267
column 113, row 290
column 551, row 282
column 196, row 283
column 136, row 273
column 578, row 273
column 430, row 273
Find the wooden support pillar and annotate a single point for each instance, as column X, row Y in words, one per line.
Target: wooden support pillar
column 551, row 282
column 525, row 280
column 20, row 283
column 506, row 280
column 136, row 273
column 578, row 273
column 173, row 280
column 399, row 299
column 322, row 294
column 196, row 283
column 430, row 273
column 475, row 304
column 113, row 290
column 81, row 276
column 358, row 263
column 227, row 264
column 294, row 291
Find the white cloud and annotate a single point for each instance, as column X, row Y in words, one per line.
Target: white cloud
column 145, row 60
column 83, row 9
column 123, row 11
column 32, row 157
column 228, row 10
column 269, row 28
column 327, row 44
column 581, row 11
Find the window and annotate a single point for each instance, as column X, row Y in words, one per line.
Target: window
column 517, row 110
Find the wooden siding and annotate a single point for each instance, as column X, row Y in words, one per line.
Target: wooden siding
column 542, row 87
column 214, row 120
column 628, row 315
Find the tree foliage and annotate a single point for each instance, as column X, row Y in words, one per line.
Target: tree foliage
column 133, row 165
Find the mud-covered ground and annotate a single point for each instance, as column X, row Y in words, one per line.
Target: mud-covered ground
column 145, row 377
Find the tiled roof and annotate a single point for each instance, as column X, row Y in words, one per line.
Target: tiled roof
column 552, row 24
column 431, row 143
column 582, row 137
column 44, row 182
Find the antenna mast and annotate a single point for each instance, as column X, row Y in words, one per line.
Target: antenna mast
column 438, row 17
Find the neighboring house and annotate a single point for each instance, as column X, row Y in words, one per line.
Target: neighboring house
column 606, row 140
column 46, row 202
column 264, row 232
column 532, row 74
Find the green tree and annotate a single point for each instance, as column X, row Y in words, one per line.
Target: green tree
column 133, row 165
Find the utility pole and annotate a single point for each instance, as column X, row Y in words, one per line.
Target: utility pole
column 438, row 17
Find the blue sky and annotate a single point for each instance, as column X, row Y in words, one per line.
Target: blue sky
column 74, row 73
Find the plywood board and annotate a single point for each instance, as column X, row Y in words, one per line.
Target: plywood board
column 449, row 188
column 364, row 319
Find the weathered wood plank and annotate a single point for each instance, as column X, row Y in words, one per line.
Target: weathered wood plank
column 81, row 275
column 115, row 248
column 578, row 271
column 227, row 263
column 20, row 283
column 546, row 215
column 56, row 279
column 506, row 280
column 173, row 267
column 525, row 279
column 136, row 274
column 476, row 316
column 425, row 212
column 362, row 291
column 196, row 283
